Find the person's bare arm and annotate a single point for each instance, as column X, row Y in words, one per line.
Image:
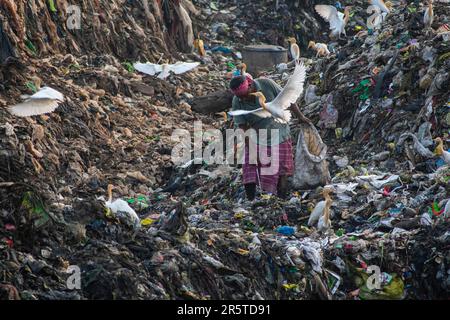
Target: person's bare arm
column 300, row 116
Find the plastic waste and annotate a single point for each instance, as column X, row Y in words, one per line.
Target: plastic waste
column 329, row 114
column 282, row 67
column 34, row 205
column 364, row 89
column 310, row 94
column 286, row 230
column 225, row 50
column 341, row 162
column 425, row 219
column 378, row 181
column 446, row 213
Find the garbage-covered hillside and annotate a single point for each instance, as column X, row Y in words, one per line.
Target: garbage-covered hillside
column 117, row 78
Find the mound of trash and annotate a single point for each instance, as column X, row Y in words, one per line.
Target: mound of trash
column 378, row 100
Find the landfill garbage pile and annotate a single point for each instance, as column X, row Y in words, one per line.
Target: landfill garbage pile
column 128, row 30
column 196, row 236
column 270, row 21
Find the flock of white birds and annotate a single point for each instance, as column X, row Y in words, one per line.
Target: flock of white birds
column 47, row 99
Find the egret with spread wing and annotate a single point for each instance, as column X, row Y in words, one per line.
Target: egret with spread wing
column 336, row 19
column 278, row 108
column 163, row 70
column 44, row 101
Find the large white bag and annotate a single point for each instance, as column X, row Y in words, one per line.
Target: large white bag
column 311, row 167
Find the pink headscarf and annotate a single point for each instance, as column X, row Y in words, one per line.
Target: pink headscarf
column 243, row 88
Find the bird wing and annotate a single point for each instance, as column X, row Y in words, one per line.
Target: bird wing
column 381, row 5
column 427, row 17
column 165, row 72
column 316, row 213
column 373, row 9
column 330, row 14
column 148, row 68
column 121, row 208
column 260, row 112
column 375, row 21
column 182, row 67
column 34, row 107
column 48, row 93
column 293, row 89
column 323, row 46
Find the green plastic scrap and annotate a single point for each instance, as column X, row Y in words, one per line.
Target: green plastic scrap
column 364, row 88
column 412, row 9
column 213, row 6
column 127, row 65
column 230, row 66
column 51, row 4
column 405, row 55
column 392, row 291
column 35, row 207
column 75, row 66
column 293, row 269
column 141, row 201
column 155, row 138
column 30, row 46
column 30, row 85
column 444, row 57
column 391, row 286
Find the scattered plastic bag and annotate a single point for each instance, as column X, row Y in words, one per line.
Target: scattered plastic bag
column 35, row 207
column 329, row 115
column 310, row 94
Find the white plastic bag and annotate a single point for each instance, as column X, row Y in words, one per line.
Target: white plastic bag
column 311, row 168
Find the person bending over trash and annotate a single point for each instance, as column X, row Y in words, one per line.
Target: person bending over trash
column 275, row 145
